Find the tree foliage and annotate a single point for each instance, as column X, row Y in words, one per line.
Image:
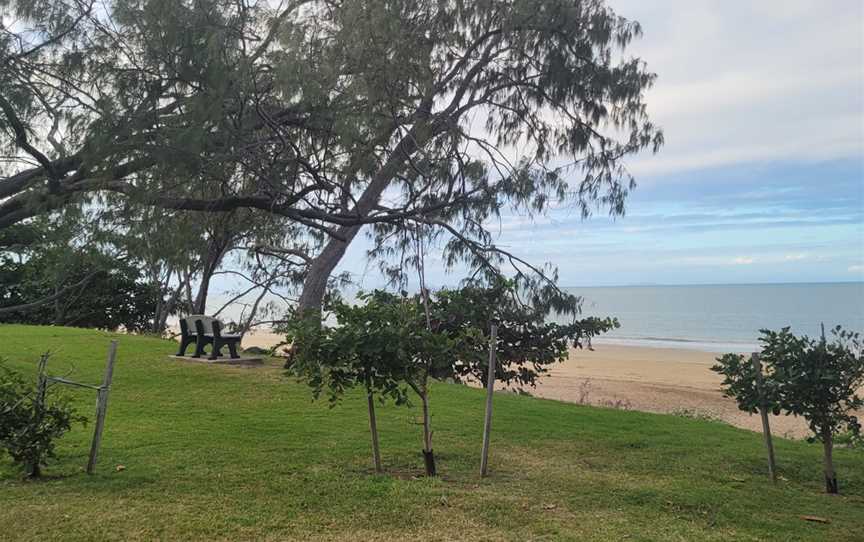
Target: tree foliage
column 740, row 382
column 371, row 347
column 816, row 379
column 528, row 343
column 29, row 427
column 819, row 380
column 101, row 290
column 389, row 343
column 314, row 111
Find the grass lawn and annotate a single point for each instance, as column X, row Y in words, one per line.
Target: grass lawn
column 233, row 453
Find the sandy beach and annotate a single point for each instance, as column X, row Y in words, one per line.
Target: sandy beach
column 663, row 380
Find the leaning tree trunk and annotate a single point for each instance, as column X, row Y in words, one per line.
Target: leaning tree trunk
column 828, row 462
column 200, row 306
column 322, row 266
column 212, row 260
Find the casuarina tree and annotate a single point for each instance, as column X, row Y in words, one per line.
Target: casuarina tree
column 317, row 109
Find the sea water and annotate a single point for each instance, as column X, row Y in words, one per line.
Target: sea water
column 722, row 318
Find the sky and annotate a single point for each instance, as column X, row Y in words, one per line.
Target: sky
column 761, row 178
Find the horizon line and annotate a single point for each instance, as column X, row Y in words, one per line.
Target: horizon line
column 665, row 284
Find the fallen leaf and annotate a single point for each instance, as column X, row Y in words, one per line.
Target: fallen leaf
column 817, row 519
column 550, row 506
column 121, row 468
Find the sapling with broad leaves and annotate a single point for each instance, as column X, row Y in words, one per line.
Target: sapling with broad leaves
column 815, row 379
column 390, row 343
column 368, row 349
column 528, row 343
column 819, row 380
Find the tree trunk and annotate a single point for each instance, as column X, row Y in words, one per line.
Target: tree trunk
column 373, row 429
column 200, row 305
column 212, row 259
column 322, row 266
column 428, row 454
column 58, row 306
column 828, row 462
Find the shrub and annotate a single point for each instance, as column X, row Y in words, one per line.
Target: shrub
column 29, row 426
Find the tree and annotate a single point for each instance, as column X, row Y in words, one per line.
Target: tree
column 740, row 382
column 69, row 278
column 383, row 345
column 389, row 342
column 316, row 111
column 368, row 348
column 527, row 342
column 820, row 381
column 815, row 379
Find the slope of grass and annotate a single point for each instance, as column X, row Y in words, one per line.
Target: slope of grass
column 231, row 453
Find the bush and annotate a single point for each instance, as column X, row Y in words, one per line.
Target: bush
column 29, row 427
column 51, row 261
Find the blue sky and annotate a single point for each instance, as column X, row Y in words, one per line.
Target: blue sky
column 762, row 175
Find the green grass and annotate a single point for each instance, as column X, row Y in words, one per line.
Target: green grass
column 231, row 453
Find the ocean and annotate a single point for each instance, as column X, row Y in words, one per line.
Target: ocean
column 721, row 318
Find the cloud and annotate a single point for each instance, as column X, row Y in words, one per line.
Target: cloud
column 743, row 260
column 856, row 269
column 796, row 257
column 743, row 82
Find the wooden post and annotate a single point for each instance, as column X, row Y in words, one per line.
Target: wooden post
column 41, row 382
column 490, row 388
column 41, row 390
column 763, row 412
column 102, row 407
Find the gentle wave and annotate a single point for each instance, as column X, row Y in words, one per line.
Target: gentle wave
column 722, row 318
column 694, row 344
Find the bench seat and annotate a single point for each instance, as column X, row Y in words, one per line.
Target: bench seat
column 204, row 330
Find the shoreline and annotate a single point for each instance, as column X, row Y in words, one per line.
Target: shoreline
column 643, row 378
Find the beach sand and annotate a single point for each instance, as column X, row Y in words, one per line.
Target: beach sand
column 663, row 380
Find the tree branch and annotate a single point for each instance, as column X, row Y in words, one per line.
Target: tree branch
column 44, row 301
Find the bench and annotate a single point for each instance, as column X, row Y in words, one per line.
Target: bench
column 205, row 330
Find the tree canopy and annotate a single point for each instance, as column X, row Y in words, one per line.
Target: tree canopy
column 405, row 114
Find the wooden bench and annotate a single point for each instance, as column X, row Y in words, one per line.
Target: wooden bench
column 202, row 331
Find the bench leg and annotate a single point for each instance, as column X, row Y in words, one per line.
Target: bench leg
column 199, row 348
column 216, row 351
column 184, row 344
column 232, row 348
